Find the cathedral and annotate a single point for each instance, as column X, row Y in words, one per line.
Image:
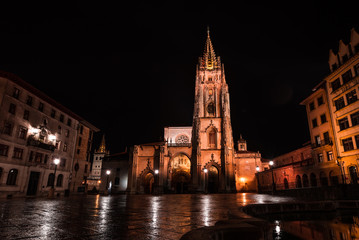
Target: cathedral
column 201, row 157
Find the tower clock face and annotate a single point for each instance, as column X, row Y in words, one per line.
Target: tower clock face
column 210, row 108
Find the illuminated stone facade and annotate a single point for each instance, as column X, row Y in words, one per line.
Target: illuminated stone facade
column 202, row 157
column 35, row 130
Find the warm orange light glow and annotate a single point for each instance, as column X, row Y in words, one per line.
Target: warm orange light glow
column 99, row 181
column 243, row 179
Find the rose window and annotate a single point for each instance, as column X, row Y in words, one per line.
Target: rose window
column 183, row 139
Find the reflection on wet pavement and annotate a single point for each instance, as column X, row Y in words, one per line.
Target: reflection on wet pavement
column 119, row 217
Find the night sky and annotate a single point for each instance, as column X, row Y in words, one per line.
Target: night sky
column 129, row 69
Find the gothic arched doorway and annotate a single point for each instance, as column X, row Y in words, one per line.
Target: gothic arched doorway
column 181, row 173
column 213, row 179
column 148, row 183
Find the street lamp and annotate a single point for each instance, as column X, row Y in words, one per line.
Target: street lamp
column 257, row 169
column 56, row 162
column 108, row 172
column 205, row 170
column 271, row 163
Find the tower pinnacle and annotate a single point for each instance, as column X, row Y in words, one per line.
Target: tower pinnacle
column 209, row 60
column 102, row 148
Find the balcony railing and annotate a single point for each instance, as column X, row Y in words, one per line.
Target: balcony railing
column 179, row 144
column 36, row 143
column 322, row 143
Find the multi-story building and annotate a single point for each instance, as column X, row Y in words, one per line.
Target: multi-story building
column 34, row 130
column 333, row 119
column 342, row 87
column 82, row 157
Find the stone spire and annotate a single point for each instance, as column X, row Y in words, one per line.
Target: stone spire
column 209, row 60
column 102, row 148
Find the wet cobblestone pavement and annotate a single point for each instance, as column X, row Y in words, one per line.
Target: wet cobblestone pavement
column 119, row 217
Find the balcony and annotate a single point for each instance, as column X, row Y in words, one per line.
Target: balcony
column 179, row 144
column 31, row 141
column 323, row 142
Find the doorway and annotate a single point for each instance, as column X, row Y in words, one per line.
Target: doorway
column 33, row 183
column 353, row 175
column 148, row 183
column 213, row 179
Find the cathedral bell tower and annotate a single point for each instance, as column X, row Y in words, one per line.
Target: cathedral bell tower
column 212, row 140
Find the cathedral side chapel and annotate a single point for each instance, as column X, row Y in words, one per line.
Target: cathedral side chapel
column 201, row 157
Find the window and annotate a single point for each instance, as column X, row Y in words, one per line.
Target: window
column 4, row 149
column 41, row 107
column 59, row 130
column 26, row 115
column 46, row 158
column 339, row 103
column 347, row 76
column 317, row 140
column 7, row 128
column 12, row 108
column 22, row 132
column 320, row 100
column 31, row 156
column 212, row 139
column 343, row 123
column 330, row 156
column 81, row 129
column 16, row 93
column 356, row 69
column 63, row 162
column 345, row 58
column 50, row 180
column 314, row 123
column 334, row 66
column 53, row 113
column 117, row 181
column 57, row 144
column 351, row 96
column 18, row 153
column 320, row 157
column 80, row 141
column 69, row 122
column 85, row 170
column 11, row 177
column 348, row 144
column 355, row 118
column 357, row 141
column 1, row 170
column 29, row 100
column 67, row 133
column 59, row 180
column 65, row 147
column 61, row 118
column 323, row 118
column 311, row 106
column 38, row 157
column 78, row 151
column 326, row 138
column 336, row 84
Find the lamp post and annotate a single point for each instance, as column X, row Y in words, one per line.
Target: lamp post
column 52, row 190
column 271, row 163
column 257, row 177
column 108, row 172
column 342, row 170
column 205, row 170
column 156, row 182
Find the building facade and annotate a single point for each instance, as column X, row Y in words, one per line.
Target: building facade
column 99, row 155
column 82, row 157
column 333, row 120
column 34, row 130
column 201, row 157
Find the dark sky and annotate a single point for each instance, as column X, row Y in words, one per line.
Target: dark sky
column 130, row 68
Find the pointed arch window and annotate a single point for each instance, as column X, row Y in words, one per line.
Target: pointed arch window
column 212, row 138
column 50, row 180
